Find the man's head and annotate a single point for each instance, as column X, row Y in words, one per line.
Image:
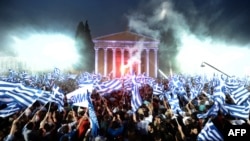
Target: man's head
column 81, row 111
column 30, row 125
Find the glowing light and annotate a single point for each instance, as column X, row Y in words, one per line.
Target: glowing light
column 123, row 69
column 46, row 51
column 163, row 13
column 231, row 59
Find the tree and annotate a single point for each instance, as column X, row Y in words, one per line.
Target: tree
column 85, row 47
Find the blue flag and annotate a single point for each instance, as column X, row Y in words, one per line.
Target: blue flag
column 93, row 118
column 136, row 100
column 210, row 133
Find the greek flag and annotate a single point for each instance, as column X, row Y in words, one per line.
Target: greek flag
column 174, row 104
column 240, row 95
column 232, row 83
column 93, row 118
column 212, row 112
column 96, row 78
column 238, row 111
column 23, row 95
column 44, row 97
column 11, row 108
column 85, row 79
column 58, row 97
column 176, row 86
column 193, row 93
column 210, row 133
column 4, row 87
column 158, row 89
column 136, row 100
column 56, row 72
column 127, row 84
column 108, row 86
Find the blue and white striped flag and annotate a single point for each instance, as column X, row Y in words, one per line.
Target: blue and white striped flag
column 85, row 79
column 56, row 72
column 194, row 92
column 85, row 83
column 158, row 89
column 96, row 78
column 174, row 104
column 4, row 87
column 23, row 95
column 210, row 133
column 58, row 97
column 219, row 90
column 211, row 112
column 127, row 84
column 93, row 118
column 108, row 86
column 238, row 111
column 44, row 96
column 11, row 76
column 11, row 109
column 232, row 83
column 176, row 86
column 240, row 95
column 136, row 100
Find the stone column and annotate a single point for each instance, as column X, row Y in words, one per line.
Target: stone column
column 156, row 61
column 96, row 60
column 122, row 61
column 147, row 61
column 139, row 66
column 114, row 62
column 130, row 65
column 105, row 61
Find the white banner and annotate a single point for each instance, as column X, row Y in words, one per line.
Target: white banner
column 79, row 96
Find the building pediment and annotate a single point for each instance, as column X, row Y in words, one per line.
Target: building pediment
column 125, row 36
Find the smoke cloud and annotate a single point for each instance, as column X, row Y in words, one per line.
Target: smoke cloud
column 178, row 23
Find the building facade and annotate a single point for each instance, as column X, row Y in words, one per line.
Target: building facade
column 124, row 52
column 14, row 63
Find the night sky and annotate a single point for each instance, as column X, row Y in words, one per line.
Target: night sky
column 59, row 15
column 221, row 21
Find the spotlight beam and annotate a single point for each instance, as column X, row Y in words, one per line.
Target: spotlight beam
column 162, row 74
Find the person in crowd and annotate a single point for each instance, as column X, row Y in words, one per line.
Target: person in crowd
column 115, row 129
column 83, row 125
column 67, row 131
column 154, row 120
column 11, row 136
column 142, row 119
column 34, row 129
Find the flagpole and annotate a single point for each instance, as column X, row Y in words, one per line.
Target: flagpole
column 123, row 90
column 202, row 65
column 49, row 106
column 22, row 113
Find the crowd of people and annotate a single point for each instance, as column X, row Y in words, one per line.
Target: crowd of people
column 154, row 120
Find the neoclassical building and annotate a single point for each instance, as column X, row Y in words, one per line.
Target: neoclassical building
column 14, row 63
column 123, row 52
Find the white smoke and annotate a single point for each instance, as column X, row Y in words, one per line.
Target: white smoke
column 156, row 18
